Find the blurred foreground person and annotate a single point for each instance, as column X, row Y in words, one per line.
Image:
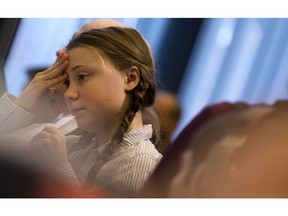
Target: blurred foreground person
column 24, row 177
column 227, row 150
column 242, row 153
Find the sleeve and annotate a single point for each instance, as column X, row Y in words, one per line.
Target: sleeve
column 66, row 175
column 140, row 168
column 12, row 117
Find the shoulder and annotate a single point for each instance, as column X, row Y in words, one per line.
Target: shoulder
column 144, row 157
column 142, row 152
column 245, row 153
column 146, row 149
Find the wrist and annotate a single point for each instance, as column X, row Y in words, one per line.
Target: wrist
column 18, row 102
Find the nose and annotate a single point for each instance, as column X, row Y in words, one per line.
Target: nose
column 71, row 93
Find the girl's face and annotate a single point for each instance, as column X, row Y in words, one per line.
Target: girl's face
column 96, row 93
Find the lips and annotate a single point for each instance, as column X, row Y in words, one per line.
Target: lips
column 76, row 111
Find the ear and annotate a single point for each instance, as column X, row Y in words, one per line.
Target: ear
column 132, row 78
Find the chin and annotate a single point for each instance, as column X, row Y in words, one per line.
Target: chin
column 84, row 125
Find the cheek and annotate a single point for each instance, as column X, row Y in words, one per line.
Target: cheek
column 103, row 98
column 115, row 89
column 114, row 97
column 87, row 92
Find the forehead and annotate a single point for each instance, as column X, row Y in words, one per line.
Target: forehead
column 86, row 54
column 84, row 49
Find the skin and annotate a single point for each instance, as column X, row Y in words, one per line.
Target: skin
column 180, row 186
column 44, row 95
column 50, row 146
column 256, row 169
column 97, row 92
column 97, row 97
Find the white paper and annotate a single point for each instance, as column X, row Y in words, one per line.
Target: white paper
column 66, row 124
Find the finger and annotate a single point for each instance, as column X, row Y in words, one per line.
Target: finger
column 35, row 146
column 55, row 81
column 62, row 56
column 55, row 71
column 50, row 130
column 42, row 134
column 44, row 149
column 47, row 144
column 60, row 52
column 40, row 145
column 60, row 60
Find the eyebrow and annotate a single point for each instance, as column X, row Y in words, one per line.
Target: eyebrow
column 77, row 66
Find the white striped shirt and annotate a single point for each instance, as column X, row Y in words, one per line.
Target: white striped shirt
column 12, row 117
column 125, row 172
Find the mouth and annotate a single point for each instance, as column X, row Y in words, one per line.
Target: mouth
column 76, row 111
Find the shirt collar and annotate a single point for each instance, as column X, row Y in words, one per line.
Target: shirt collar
column 133, row 136
column 136, row 135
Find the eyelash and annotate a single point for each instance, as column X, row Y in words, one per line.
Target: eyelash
column 80, row 78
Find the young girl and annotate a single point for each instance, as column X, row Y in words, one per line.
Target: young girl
column 110, row 87
column 42, row 101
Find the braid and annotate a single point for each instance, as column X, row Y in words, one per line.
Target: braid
column 125, row 47
column 136, row 103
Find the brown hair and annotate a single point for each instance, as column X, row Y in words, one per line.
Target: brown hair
column 125, row 47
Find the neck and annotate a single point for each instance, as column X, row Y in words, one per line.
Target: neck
column 136, row 123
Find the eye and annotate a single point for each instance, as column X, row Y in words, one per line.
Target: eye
column 81, row 77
